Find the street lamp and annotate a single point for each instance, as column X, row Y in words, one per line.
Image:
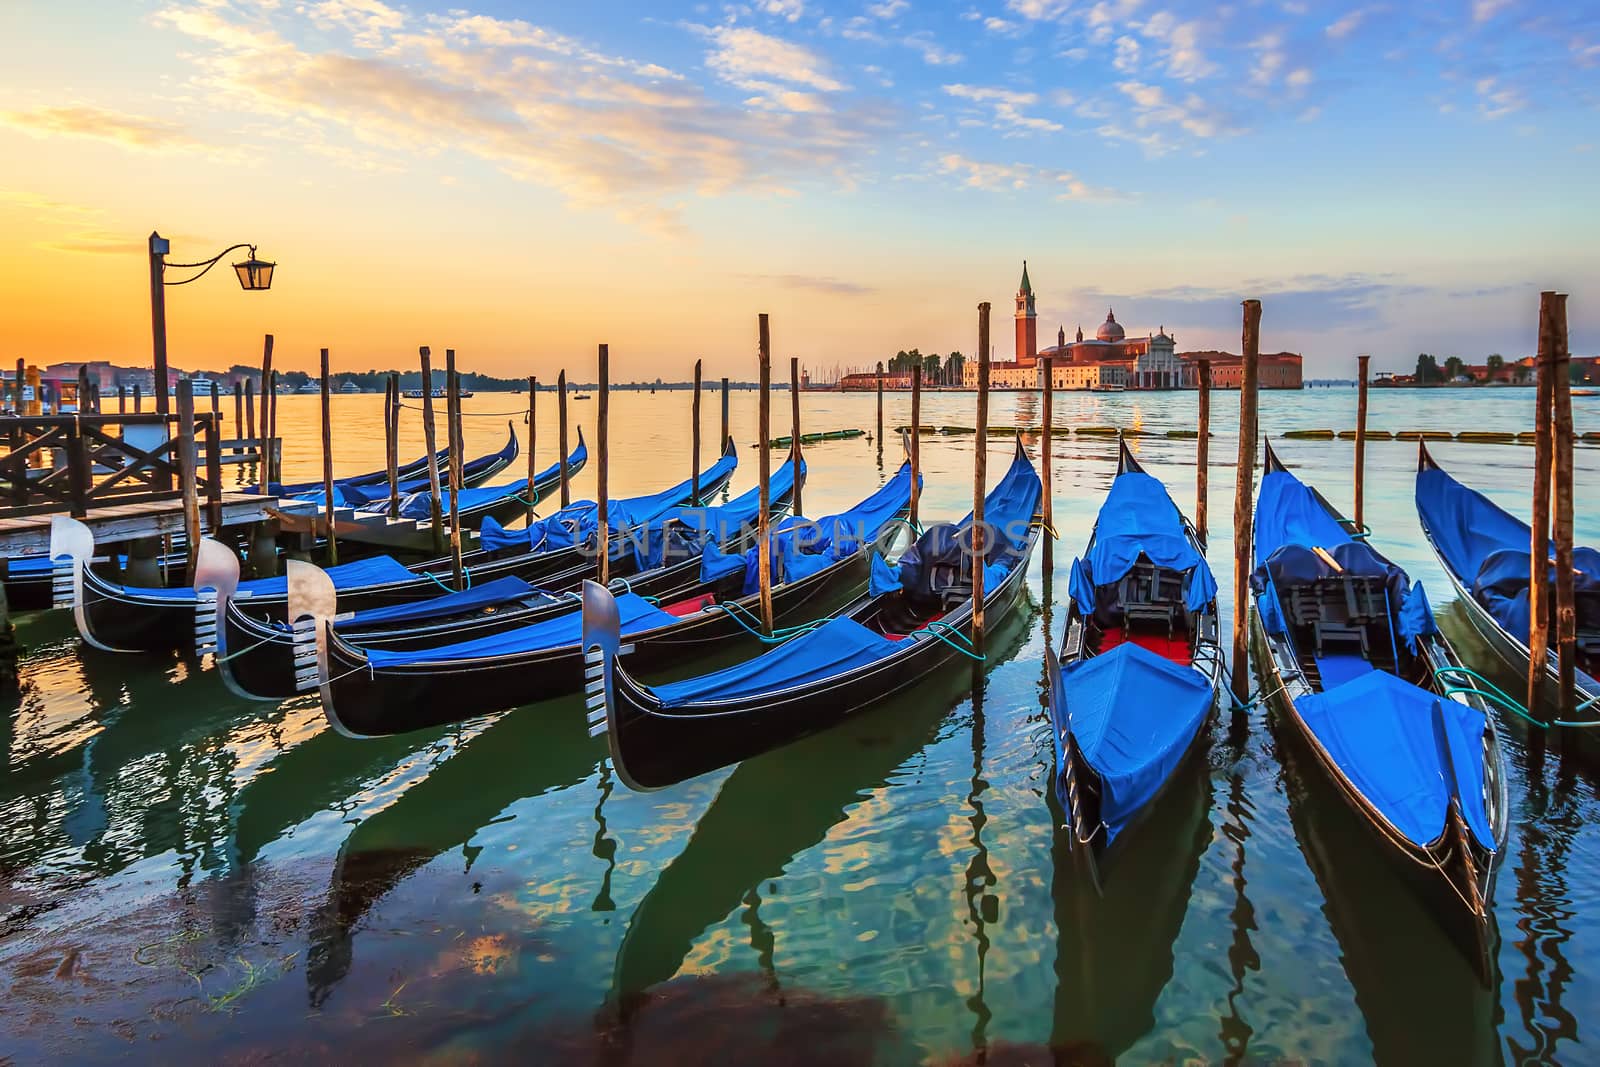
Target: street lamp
column 254, row 274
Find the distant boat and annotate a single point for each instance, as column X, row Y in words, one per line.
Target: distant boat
column 309, row 387
column 580, row 396
column 349, row 387
column 1108, row 387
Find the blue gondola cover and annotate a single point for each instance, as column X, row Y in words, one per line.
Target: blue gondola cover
column 1289, row 513
column 1137, row 519
column 489, row 594
column 374, row 570
column 1384, row 736
column 837, row 646
column 1133, row 715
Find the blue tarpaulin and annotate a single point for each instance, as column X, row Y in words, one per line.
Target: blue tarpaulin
column 419, row 505
column 374, row 570
column 489, row 594
column 1008, row 512
column 1389, row 739
column 1138, row 518
column 1289, row 513
column 1489, row 549
column 1133, row 715
column 579, row 522
column 837, row 646
column 689, row 529
column 563, row 631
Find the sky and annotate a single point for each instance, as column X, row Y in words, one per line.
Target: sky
column 522, row 182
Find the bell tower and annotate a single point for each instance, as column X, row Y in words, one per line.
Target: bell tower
column 1027, row 321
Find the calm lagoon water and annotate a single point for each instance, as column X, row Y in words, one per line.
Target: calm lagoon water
column 181, row 870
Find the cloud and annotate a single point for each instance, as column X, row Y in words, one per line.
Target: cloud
column 750, row 59
column 788, row 10
column 1484, row 10
column 1192, row 114
column 1003, row 27
column 1007, row 106
column 815, row 283
column 1496, row 100
column 888, row 9
column 933, row 53
column 1040, row 10
column 97, row 243
column 1308, row 301
column 1127, row 57
column 605, row 132
column 1347, row 23
column 100, row 124
column 994, row 177
column 1185, row 61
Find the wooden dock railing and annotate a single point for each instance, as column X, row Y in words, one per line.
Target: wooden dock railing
column 75, row 463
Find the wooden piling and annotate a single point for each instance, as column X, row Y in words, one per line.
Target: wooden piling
column 248, row 424
column 327, row 461
column 722, row 442
column 602, row 464
column 1243, row 496
column 1202, row 453
column 880, row 408
column 980, row 475
column 138, row 400
column 694, row 438
column 430, row 442
column 764, row 436
column 122, row 399
column 795, row 507
column 561, row 436
column 916, row 446
column 238, row 411
column 214, row 474
column 1046, row 459
column 22, row 377
column 268, row 411
column 391, row 441
column 533, row 442
column 1361, row 443
column 1543, row 469
column 452, row 400
column 83, row 389
column 1561, row 490
column 186, row 471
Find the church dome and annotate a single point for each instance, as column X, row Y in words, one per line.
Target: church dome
column 1111, row 329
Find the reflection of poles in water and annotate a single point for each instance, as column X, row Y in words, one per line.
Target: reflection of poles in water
column 1234, row 1032
column 1542, row 901
column 1048, row 613
column 982, row 907
column 605, row 847
column 762, row 940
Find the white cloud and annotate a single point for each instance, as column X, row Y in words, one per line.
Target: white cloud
column 751, row 59
column 1040, row 10
column 1347, row 24
column 933, row 53
column 1003, row 27
column 1298, row 78
column 995, row 177
column 1184, row 58
column 1127, row 57
column 1191, row 114
column 1496, row 100
column 888, row 9
column 1484, row 10
column 788, row 10
column 1007, row 105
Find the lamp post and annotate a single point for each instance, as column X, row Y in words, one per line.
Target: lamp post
column 254, row 275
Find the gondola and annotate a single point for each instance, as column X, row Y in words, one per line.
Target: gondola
column 257, row 656
column 1485, row 551
column 912, row 621
column 1351, row 658
column 1136, row 680
column 412, row 477
column 475, row 504
column 28, row 582
column 368, row 691
column 118, row 618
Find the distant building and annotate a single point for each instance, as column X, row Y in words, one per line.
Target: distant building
column 1276, row 370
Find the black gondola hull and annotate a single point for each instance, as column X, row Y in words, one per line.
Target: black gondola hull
column 372, row 702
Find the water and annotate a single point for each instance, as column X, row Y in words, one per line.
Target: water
column 178, row 866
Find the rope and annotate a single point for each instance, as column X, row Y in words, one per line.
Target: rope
column 247, row 649
column 951, row 636
column 750, row 624
column 1490, row 692
column 466, row 574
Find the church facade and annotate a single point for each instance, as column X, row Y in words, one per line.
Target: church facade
column 1113, row 360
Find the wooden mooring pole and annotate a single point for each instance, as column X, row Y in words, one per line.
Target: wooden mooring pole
column 880, row 409
column 1046, row 418
column 1202, row 452
column 248, row 424
column 453, row 425
column 764, row 447
column 186, row 471
column 238, row 411
column 694, row 437
column 722, row 442
column 138, row 400
column 1243, row 496
column 561, row 437
column 391, row 441
column 533, row 445
column 1561, row 490
column 1543, row 464
column 980, row 476
column 430, row 442
column 327, row 461
column 1361, row 443
column 794, row 434
column 916, row 446
column 268, row 395
column 602, row 473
